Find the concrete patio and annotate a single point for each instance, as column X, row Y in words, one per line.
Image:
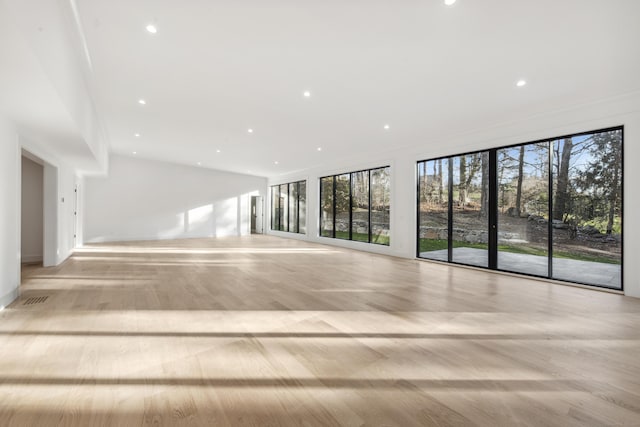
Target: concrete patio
column 587, row 272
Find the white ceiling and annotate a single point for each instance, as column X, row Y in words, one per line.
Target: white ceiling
column 29, row 99
column 218, row 68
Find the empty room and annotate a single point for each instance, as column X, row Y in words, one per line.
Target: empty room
column 319, row 213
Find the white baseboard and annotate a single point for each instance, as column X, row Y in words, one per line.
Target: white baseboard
column 9, row 298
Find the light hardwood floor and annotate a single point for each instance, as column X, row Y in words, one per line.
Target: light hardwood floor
column 267, row 331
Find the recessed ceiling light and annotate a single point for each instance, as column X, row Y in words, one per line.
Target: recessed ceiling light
column 137, row 135
column 199, row 163
column 217, row 151
column 387, row 127
column 306, row 94
column 521, row 83
column 152, row 28
column 319, row 148
column 276, row 162
column 250, row 130
column 135, row 152
column 142, row 102
column 449, row 2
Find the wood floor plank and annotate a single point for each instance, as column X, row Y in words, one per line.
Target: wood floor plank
column 262, row 331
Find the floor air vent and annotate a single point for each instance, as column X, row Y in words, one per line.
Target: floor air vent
column 35, row 300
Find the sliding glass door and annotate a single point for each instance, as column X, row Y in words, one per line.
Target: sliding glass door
column 587, row 208
column 302, row 207
column 470, row 214
column 523, row 208
column 327, row 206
column 549, row 208
column 293, row 207
column 343, row 210
column 284, row 212
column 380, row 205
column 433, row 209
column 360, row 206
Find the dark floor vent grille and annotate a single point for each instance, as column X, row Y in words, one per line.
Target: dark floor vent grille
column 35, row 300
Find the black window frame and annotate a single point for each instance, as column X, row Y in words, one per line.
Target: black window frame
column 333, row 178
column 493, row 207
column 277, row 222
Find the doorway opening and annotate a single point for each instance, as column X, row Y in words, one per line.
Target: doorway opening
column 257, row 215
column 32, row 211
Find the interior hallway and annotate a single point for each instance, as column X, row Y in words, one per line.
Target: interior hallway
column 267, row 331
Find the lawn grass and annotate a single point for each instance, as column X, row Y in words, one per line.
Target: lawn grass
column 428, row 245
column 363, row 237
column 584, row 257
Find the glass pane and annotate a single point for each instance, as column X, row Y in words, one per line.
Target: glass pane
column 587, row 214
column 283, row 207
column 433, row 181
column 326, row 199
column 293, row 207
column 523, row 209
column 275, row 207
column 360, row 206
column 471, row 209
column 302, row 194
column 342, row 206
column 380, row 205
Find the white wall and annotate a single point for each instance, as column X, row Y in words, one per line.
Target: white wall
column 631, row 232
column 79, row 209
column 50, row 215
column 32, row 219
column 624, row 110
column 9, row 214
column 66, row 207
column 58, row 180
column 59, row 218
column 147, row 200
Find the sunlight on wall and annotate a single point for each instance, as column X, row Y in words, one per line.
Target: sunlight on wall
column 244, row 214
column 226, row 218
column 174, row 231
column 219, row 218
column 200, row 220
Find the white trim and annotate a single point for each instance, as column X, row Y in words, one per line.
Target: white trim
column 27, row 259
column 9, row 298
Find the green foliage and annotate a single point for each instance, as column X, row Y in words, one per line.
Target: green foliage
column 342, row 193
column 380, row 239
column 352, row 192
column 356, row 185
column 429, row 245
column 585, row 257
column 601, row 225
column 363, row 237
column 359, row 237
column 327, row 194
column 598, row 185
